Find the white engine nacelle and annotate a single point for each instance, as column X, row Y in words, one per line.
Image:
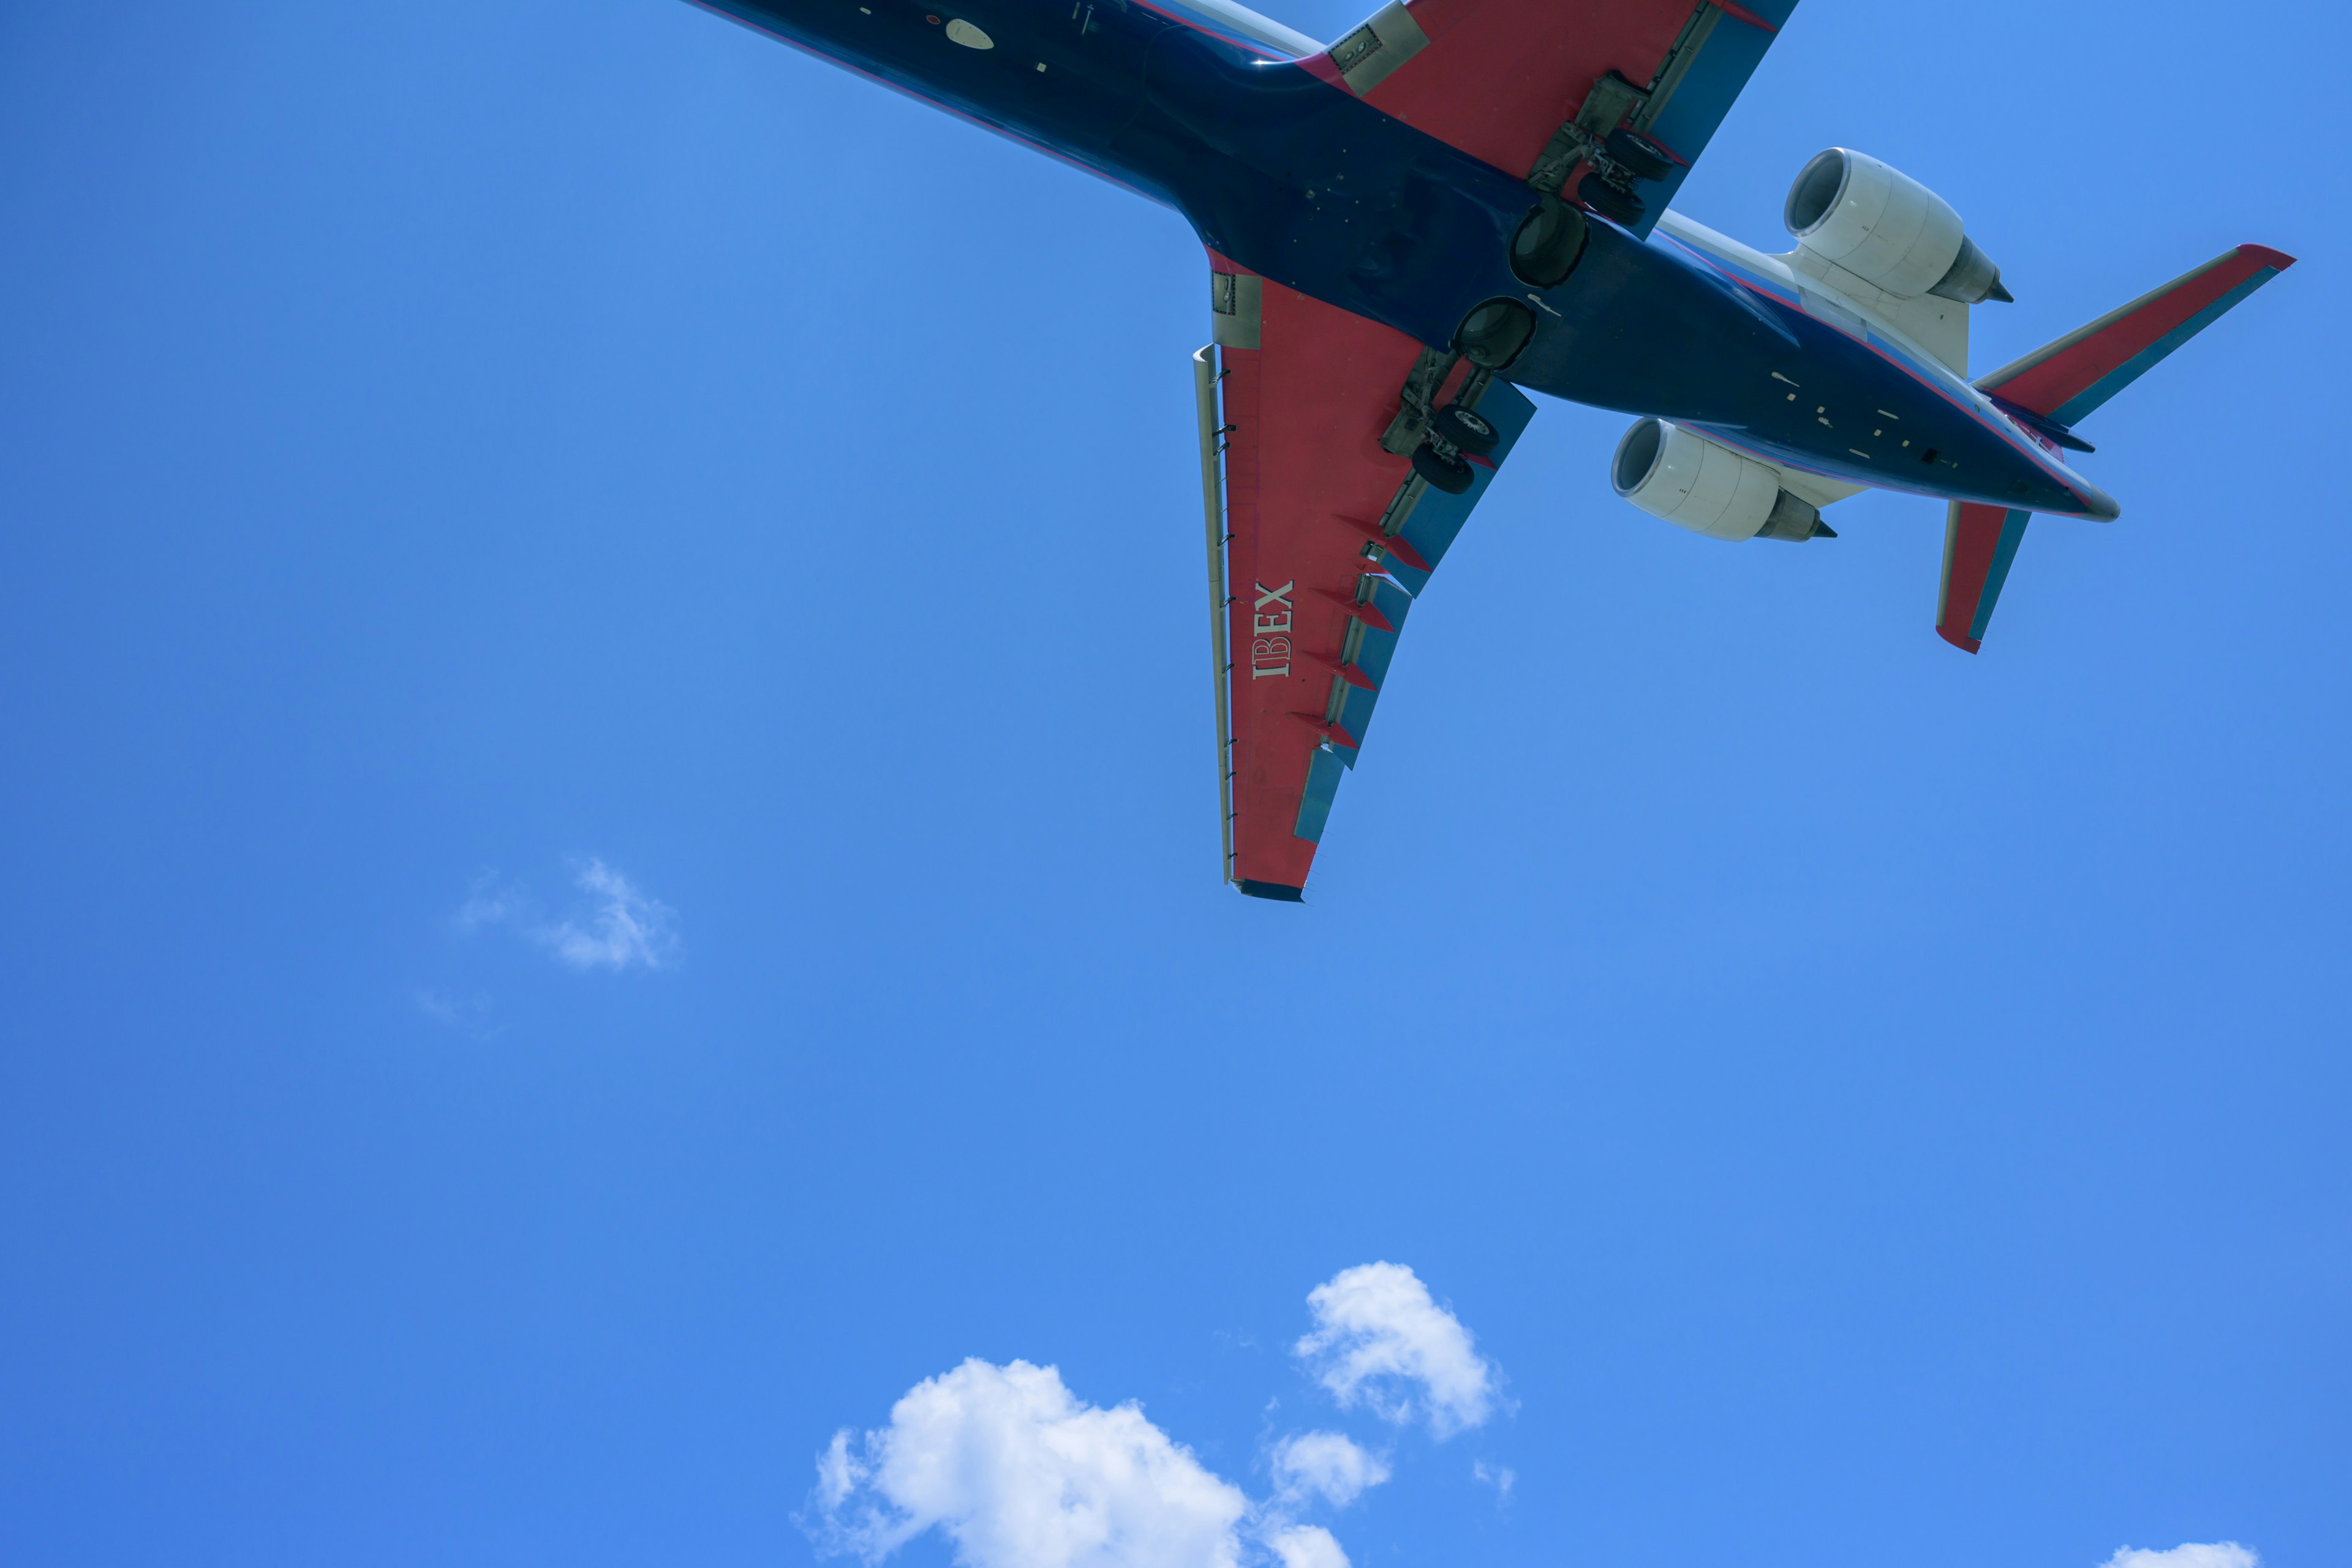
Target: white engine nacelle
column 1887, row 229
column 1694, row 483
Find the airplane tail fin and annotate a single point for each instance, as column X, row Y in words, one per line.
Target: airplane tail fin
column 2056, row 387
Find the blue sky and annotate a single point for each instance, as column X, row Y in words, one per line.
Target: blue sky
column 612, row 855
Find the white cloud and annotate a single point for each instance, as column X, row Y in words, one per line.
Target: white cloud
column 1379, row 1338
column 1306, row 1546
column 1019, row 1473
column 1324, row 1465
column 467, row 1014
column 491, row 905
column 627, row 927
column 2192, row 1554
column 1502, row 1478
column 624, row 928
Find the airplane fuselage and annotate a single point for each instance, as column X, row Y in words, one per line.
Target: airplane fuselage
column 1304, row 183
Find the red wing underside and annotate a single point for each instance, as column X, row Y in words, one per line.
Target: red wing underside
column 1329, row 536
column 1498, row 78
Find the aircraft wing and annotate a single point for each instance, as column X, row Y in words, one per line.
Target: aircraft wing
column 1505, row 80
column 1320, row 537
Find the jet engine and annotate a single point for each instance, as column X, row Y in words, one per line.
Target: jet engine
column 1887, row 229
column 1695, row 483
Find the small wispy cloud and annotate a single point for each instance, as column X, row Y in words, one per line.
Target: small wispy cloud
column 1324, row 1465
column 1381, row 1341
column 622, row 928
column 627, row 927
column 1502, row 1478
column 2190, row 1554
column 467, row 1014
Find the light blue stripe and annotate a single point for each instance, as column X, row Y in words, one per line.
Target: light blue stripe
column 1699, row 106
column 1220, row 16
column 2012, row 534
column 1323, row 778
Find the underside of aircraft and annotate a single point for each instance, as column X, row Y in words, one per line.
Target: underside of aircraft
column 1458, row 202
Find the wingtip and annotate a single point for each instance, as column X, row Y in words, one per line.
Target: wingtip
column 1960, row 641
column 1281, row 893
column 2277, row 259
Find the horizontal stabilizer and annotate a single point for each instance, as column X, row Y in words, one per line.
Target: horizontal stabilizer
column 2068, row 379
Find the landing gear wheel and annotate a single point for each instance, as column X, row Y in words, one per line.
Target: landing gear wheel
column 1643, row 158
column 1492, row 335
column 1452, row 475
column 1549, row 245
column 1466, row 428
column 1620, row 207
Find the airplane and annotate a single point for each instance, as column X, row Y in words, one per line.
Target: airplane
column 1462, row 201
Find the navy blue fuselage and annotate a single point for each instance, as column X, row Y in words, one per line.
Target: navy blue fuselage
column 1304, row 183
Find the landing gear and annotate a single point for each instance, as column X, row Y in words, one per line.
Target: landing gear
column 1467, row 430
column 1619, row 206
column 1625, row 158
column 1456, row 434
column 1452, row 475
column 1641, row 157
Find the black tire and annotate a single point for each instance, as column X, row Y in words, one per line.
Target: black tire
column 1549, row 245
column 1492, row 335
column 1642, row 157
column 1452, row 475
column 1466, row 428
column 1620, row 207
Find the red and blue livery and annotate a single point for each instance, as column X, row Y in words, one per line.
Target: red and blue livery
column 1460, row 203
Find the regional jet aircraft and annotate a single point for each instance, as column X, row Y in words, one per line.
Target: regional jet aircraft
column 1464, row 201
